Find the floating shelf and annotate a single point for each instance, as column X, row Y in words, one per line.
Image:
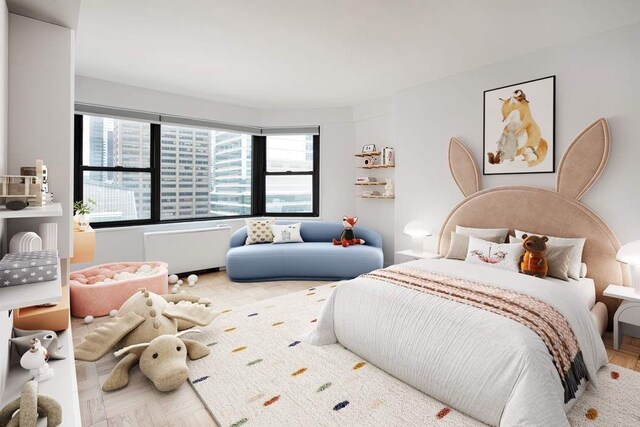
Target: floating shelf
column 377, row 166
column 369, row 154
column 377, row 197
column 29, row 294
column 63, row 386
column 372, row 183
column 48, row 210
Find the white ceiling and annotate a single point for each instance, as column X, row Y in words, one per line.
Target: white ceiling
column 323, row 53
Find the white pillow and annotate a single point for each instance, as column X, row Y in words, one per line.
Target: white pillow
column 483, row 232
column 498, row 255
column 289, row 233
column 459, row 245
column 575, row 264
column 583, row 270
column 259, row 231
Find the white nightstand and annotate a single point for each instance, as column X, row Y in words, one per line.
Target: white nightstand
column 626, row 321
column 413, row 255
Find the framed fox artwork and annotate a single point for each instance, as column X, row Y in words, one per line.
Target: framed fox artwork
column 519, row 128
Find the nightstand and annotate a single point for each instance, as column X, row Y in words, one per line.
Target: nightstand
column 626, row 321
column 413, row 255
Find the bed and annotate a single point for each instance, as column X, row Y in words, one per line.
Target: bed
column 442, row 327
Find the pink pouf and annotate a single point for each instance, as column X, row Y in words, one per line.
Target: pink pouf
column 90, row 296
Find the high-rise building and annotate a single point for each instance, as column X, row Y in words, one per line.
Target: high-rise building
column 231, row 174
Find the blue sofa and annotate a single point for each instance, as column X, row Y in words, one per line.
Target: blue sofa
column 315, row 259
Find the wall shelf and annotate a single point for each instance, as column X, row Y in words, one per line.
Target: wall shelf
column 377, row 197
column 12, row 297
column 377, row 166
column 372, row 183
column 48, row 210
column 369, row 154
column 63, row 386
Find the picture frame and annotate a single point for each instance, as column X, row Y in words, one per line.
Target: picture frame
column 518, row 128
column 369, row 148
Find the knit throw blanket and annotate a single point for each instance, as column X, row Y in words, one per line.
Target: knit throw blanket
column 551, row 326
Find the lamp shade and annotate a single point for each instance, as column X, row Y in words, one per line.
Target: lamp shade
column 417, row 229
column 629, row 253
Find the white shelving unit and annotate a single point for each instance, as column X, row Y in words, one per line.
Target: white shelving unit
column 63, row 386
column 48, row 210
column 12, row 297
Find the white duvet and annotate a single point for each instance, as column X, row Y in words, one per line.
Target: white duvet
column 487, row 366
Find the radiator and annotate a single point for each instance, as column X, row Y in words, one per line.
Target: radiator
column 188, row 250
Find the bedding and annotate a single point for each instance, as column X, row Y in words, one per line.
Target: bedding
column 488, row 366
column 460, row 244
column 583, row 289
column 496, row 255
column 482, row 233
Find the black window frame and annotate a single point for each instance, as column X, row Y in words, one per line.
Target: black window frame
column 258, row 179
column 260, row 173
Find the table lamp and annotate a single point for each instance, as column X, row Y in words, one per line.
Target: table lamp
column 630, row 254
column 418, row 230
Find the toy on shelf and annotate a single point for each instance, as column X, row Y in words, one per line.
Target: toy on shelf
column 25, row 410
column 388, row 189
column 48, row 340
column 146, row 329
column 35, row 360
column 19, row 191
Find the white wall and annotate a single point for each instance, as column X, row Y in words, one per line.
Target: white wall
column 5, row 319
column 41, row 86
column 375, row 124
column 597, row 76
column 336, row 145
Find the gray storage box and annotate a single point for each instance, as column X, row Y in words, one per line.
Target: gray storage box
column 28, row 267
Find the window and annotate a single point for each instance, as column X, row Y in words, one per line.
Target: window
column 116, row 168
column 204, row 173
column 143, row 173
column 289, row 174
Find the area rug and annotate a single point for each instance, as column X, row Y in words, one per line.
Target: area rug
column 259, row 373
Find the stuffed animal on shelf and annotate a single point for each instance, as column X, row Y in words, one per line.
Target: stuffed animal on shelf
column 348, row 237
column 25, row 410
column 146, row 331
column 533, row 261
column 48, row 340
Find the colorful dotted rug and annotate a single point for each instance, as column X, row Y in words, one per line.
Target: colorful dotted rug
column 260, row 374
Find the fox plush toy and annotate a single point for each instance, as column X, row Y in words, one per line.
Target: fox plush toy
column 348, row 237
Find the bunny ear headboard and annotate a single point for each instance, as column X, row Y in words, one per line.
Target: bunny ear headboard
column 541, row 211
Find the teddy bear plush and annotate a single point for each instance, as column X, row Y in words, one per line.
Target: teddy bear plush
column 533, row 261
column 348, row 237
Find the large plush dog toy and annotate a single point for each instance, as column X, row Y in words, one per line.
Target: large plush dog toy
column 146, row 331
column 348, row 237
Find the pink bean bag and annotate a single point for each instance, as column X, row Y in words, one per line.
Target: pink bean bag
column 89, row 298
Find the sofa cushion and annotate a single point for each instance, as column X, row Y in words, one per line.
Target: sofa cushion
column 309, row 260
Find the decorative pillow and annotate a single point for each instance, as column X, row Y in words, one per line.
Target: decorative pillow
column 259, row 231
column 483, row 233
column 459, row 245
column 289, row 233
column 498, row 255
column 558, row 259
column 583, row 270
column 576, row 253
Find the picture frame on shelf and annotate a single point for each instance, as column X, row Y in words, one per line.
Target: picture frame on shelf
column 369, row 148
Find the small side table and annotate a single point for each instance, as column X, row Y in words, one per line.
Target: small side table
column 626, row 321
column 413, row 255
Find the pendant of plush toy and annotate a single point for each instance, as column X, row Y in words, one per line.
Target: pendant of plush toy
column 534, row 262
column 146, row 332
column 348, row 237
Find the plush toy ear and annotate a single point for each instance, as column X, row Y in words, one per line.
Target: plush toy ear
column 181, row 333
column 584, row 160
column 463, row 168
column 545, row 239
column 524, row 236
